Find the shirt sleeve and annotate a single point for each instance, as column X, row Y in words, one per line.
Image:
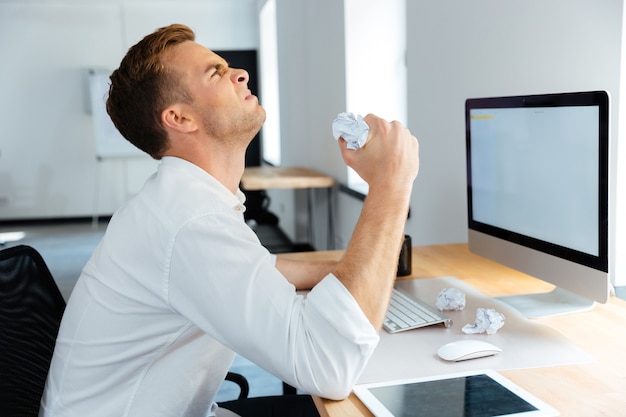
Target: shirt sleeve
column 227, row 284
column 345, row 339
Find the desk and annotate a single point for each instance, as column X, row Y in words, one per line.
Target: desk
column 266, row 177
column 592, row 389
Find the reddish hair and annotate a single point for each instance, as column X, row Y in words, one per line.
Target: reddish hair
column 143, row 86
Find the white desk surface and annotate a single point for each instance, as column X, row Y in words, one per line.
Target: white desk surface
column 525, row 343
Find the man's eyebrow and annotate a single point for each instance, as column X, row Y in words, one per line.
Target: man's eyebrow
column 217, row 66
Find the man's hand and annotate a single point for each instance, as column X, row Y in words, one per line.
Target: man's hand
column 390, row 157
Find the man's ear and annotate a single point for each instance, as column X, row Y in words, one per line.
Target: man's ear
column 178, row 118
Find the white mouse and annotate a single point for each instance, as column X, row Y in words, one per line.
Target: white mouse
column 467, row 349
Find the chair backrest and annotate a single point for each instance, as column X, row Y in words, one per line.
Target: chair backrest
column 31, row 308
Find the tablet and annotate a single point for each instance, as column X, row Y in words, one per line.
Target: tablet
column 470, row 394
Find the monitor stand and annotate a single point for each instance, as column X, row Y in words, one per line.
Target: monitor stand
column 553, row 303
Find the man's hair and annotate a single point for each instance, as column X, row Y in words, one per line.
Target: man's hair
column 143, row 86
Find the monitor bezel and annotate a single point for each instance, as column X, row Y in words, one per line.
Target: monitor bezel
column 599, row 262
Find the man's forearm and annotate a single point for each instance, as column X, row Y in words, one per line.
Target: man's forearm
column 368, row 268
column 303, row 274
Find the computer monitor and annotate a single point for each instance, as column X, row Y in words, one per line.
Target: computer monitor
column 538, row 193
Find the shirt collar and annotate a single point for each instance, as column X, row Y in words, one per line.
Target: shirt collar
column 236, row 201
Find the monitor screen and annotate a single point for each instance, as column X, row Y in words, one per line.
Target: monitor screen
column 537, row 169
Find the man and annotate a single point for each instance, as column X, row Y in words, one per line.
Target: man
column 179, row 282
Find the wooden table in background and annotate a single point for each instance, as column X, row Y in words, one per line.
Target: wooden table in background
column 265, row 177
column 268, row 177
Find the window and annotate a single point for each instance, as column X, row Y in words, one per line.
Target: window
column 269, row 83
column 376, row 76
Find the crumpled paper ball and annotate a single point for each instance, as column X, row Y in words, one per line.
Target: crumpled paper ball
column 352, row 128
column 450, row 299
column 487, row 320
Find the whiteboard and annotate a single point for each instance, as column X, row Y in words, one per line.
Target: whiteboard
column 109, row 142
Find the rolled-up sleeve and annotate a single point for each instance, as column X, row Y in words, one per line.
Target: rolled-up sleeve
column 340, row 343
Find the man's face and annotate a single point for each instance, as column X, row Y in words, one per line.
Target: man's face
column 221, row 98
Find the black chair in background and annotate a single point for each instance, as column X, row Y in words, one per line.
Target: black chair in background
column 31, row 308
column 241, row 381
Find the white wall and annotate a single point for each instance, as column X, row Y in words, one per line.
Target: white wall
column 47, row 160
column 455, row 50
column 485, row 48
column 459, row 49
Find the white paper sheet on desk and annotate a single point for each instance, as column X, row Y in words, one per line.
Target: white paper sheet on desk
column 524, row 343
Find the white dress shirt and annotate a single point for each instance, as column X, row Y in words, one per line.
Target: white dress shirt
column 176, row 286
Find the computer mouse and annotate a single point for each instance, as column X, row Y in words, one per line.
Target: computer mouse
column 467, row 349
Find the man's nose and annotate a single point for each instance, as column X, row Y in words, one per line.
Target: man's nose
column 240, row 75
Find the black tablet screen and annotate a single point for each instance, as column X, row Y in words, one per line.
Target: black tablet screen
column 468, row 396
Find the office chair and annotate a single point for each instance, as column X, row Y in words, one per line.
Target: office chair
column 31, row 308
column 240, row 380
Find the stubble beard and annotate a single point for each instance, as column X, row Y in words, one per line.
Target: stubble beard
column 238, row 130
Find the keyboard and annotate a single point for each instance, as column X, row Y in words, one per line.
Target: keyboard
column 406, row 312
